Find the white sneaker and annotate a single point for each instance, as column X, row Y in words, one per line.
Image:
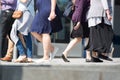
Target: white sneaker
column 52, row 55
column 41, row 61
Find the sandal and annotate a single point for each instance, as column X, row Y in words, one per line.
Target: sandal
column 21, row 59
column 29, row 60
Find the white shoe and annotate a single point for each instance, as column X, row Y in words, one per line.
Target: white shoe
column 52, row 55
column 41, row 61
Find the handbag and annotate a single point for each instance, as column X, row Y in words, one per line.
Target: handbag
column 56, row 24
column 17, row 14
column 68, row 10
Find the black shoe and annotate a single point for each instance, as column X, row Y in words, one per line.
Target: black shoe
column 64, row 58
column 96, row 59
column 104, row 57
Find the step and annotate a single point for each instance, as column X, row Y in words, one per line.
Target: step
column 56, row 69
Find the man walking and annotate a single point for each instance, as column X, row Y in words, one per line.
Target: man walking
column 6, row 21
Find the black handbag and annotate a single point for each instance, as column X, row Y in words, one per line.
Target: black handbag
column 56, row 24
column 68, row 10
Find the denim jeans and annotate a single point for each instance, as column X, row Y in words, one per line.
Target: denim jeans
column 28, row 42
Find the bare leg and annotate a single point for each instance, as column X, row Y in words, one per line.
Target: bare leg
column 94, row 54
column 10, row 48
column 9, row 54
column 88, row 56
column 46, row 45
column 46, row 41
column 37, row 36
column 71, row 45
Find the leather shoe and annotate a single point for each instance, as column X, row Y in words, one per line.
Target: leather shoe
column 64, row 58
column 9, row 59
column 96, row 59
column 104, row 57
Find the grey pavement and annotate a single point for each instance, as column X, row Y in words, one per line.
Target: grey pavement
column 57, row 69
column 59, row 61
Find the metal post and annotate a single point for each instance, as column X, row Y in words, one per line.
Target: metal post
column 15, row 53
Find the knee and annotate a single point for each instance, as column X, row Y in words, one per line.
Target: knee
column 78, row 39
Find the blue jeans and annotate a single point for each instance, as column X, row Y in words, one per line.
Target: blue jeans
column 84, row 51
column 28, row 50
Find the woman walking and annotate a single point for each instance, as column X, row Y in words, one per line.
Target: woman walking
column 42, row 25
column 20, row 31
column 80, row 29
column 101, row 33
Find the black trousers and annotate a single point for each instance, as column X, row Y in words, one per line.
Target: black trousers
column 6, row 22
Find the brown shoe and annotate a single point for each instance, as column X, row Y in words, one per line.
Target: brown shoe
column 9, row 59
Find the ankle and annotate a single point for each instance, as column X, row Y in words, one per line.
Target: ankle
column 45, row 58
column 10, row 56
column 21, row 57
column 29, row 59
column 65, row 54
column 88, row 57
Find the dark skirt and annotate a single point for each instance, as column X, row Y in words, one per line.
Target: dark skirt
column 82, row 31
column 100, row 38
column 41, row 24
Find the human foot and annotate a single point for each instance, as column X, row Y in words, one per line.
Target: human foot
column 64, row 58
column 52, row 54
